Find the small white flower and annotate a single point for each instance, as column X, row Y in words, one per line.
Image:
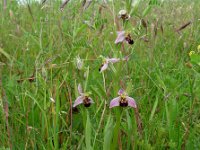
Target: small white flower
column 52, row 100
column 79, row 63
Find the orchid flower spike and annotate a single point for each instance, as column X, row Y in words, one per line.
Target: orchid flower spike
column 123, row 100
column 79, row 63
column 83, row 98
column 122, row 36
column 106, row 61
column 124, row 15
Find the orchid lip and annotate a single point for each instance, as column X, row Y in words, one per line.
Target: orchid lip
column 123, row 100
column 83, row 98
column 87, row 101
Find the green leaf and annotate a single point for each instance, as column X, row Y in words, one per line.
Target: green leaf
column 108, row 133
column 88, row 132
column 146, row 11
column 195, row 58
column 154, row 109
column 5, row 54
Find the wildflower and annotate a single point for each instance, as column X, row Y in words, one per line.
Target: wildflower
column 52, row 100
column 191, row 53
column 83, row 98
column 122, row 36
column 79, row 63
column 106, row 61
column 198, row 48
column 128, row 39
column 124, row 15
column 123, row 100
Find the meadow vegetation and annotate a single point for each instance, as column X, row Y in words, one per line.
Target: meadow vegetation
column 45, row 53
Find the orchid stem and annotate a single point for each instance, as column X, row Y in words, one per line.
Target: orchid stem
column 104, row 82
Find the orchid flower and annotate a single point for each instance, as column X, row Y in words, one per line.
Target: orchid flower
column 122, row 36
column 106, row 61
column 124, row 15
column 83, row 98
column 123, row 100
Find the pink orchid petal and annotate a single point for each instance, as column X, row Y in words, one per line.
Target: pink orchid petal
column 78, row 101
column 113, row 60
column 131, row 102
column 120, row 37
column 115, row 102
column 121, row 91
column 104, row 67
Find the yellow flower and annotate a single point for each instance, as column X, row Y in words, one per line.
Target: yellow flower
column 198, row 48
column 191, row 53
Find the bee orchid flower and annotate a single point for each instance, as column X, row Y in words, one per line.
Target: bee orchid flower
column 83, row 98
column 106, row 61
column 123, row 36
column 123, row 100
column 124, row 15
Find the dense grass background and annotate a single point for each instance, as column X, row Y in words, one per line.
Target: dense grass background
column 42, row 43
